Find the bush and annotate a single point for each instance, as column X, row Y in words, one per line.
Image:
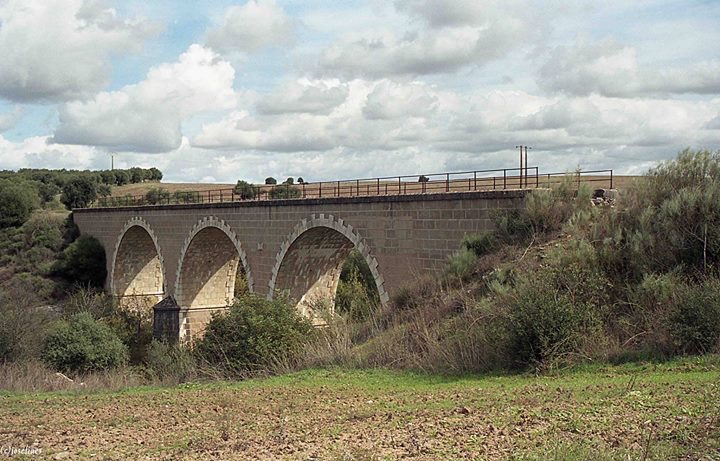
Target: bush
column 187, row 196
column 78, row 193
column 480, row 244
column 245, row 190
column 357, row 294
column 83, row 344
column 353, row 298
column 83, row 262
column 24, row 324
column 157, row 195
column 17, row 202
column 169, row 361
column 253, row 334
column 461, row 264
column 284, row 191
column 695, row 318
column 554, row 312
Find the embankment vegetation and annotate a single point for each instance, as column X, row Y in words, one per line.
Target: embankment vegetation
column 560, row 283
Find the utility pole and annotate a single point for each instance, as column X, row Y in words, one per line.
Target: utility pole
column 112, row 161
column 526, row 165
column 523, row 165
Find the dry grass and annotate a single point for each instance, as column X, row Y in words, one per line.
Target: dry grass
column 362, row 188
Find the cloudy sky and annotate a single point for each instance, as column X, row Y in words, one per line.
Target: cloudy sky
column 217, row 91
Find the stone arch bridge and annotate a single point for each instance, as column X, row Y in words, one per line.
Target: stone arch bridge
column 192, row 252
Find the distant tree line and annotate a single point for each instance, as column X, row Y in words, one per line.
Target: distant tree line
column 27, row 189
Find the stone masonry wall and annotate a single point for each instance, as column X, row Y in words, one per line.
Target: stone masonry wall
column 401, row 237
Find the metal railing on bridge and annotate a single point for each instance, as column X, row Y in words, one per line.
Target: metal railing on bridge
column 478, row 180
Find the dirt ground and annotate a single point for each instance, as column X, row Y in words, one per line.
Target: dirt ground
column 630, row 412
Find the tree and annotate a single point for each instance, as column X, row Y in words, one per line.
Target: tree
column 245, row 190
column 103, row 190
column 301, row 180
column 78, row 193
column 83, row 262
column 122, row 177
column 154, row 174
column 290, row 181
column 270, row 180
column 108, row 177
column 17, row 201
column 137, row 175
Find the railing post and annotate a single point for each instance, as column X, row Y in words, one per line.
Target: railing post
column 399, row 186
column 475, row 180
column 357, row 181
column 493, row 182
column 504, row 178
column 611, row 179
column 378, row 185
column 337, row 190
column 537, row 178
column 303, row 188
column 320, row 190
column 447, row 182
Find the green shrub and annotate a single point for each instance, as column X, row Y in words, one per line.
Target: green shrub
column 512, row 226
column 554, row 312
column 83, row 263
column 480, row 244
column 695, row 319
column 284, row 191
column 78, row 192
column 353, row 298
column 83, row 344
column 17, row 201
column 461, row 264
column 357, row 294
column 187, row 196
column 245, row 191
column 169, row 361
column 253, row 334
column 157, row 195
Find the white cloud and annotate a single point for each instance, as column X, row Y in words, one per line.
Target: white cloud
column 612, row 69
column 452, row 35
column 299, row 132
column 390, row 100
column 38, row 152
column 252, row 26
column 147, row 116
column 317, row 96
column 59, row 49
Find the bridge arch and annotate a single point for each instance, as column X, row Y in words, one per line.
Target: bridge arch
column 310, row 260
column 138, row 266
column 209, row 260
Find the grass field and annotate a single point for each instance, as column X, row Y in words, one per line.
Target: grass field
column 637, row 411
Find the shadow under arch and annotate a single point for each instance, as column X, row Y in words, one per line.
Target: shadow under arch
column 208, row 266
column 138, row 270
column 310, row 260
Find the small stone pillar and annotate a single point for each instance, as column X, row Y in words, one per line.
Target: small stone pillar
column 166, row 320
